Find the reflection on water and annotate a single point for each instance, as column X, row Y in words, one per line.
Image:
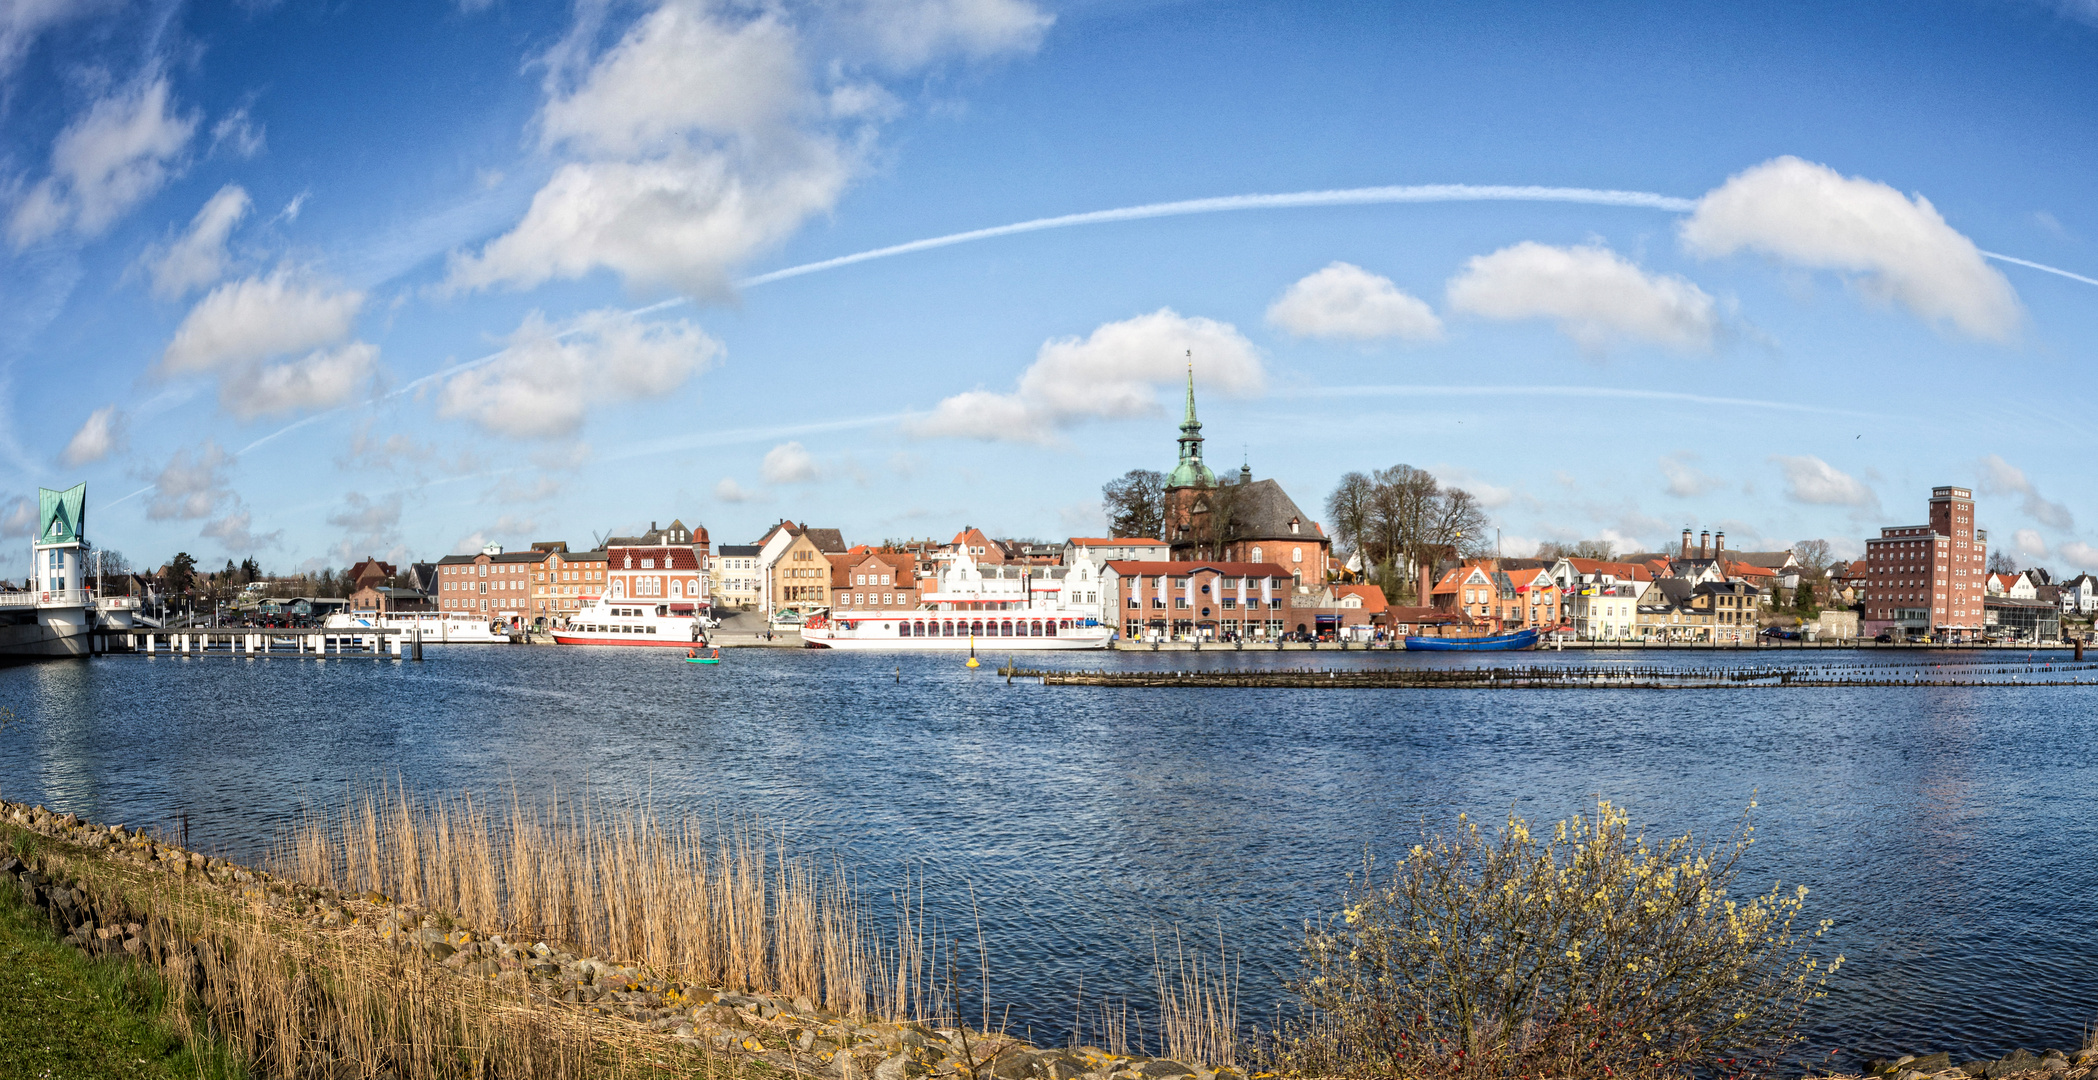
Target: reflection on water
column 1947, row 830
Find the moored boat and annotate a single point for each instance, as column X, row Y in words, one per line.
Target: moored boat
column 438, row 627
column 630, row 622
column 1521, row 639
column 990, row 608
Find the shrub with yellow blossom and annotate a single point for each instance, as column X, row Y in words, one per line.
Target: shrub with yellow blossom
column 1586, row 951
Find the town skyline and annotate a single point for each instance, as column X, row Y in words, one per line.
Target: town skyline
column 295, row 285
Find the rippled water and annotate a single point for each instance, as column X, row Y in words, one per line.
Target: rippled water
column 1948, row 831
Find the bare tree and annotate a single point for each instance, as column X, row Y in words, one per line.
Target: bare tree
column 2000, row 562
column 1814, row 556
column 1348, row 509
column 1399, row 518
column 1136, row 504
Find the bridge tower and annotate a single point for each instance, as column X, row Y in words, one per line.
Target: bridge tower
column 60, row 544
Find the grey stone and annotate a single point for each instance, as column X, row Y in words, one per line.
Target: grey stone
column 1159, row 1068
column 1930, row 1063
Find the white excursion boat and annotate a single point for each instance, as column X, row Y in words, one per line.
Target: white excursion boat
column 994, row 608
column 438, row 627
column 633, row 622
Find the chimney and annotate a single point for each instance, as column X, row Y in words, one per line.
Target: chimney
column 1703, row 541
column 1719, row 544
column 1686, row 542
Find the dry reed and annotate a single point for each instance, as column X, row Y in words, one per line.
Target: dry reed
column 731, row 907
column 1197, row 1005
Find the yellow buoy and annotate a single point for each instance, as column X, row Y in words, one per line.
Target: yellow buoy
column 972, row 651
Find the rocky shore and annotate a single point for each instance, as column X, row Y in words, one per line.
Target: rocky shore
column 2067, row 1064
column 791, row 1036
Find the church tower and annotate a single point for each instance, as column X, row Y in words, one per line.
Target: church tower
column 1190, row 472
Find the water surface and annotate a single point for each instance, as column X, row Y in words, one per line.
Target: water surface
column 1948, row 831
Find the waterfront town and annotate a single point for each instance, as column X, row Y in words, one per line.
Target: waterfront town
column 1196, row 557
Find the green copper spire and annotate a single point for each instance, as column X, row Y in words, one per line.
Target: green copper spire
column 1191, row 472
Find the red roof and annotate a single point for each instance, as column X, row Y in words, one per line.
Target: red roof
column 1372, row 597
column 1623, row 571
column 1742, row 569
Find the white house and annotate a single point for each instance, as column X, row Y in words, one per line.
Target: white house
column 2080, row 595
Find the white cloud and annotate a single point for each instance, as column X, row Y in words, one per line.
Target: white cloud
column 905, row 34
column 96, row 438
column 238, row 135
column 2029, row 544
column 1346, row 301
column 22, row 21
column 191, row 485
column 247, row 333
column 683, row 223
column 1490, row 495
column 682, row 70
column 362, row 514
column 1812, row 480
column 1111, row 374
column 236, row 533
column 507, row 526
column 789, row 463
column 1687, row 481
column 1595, row 295
column 198, row 257
column 322, row 378
column 1846, row 547
column 123, row 149
column 257, row 318
column 1901, row 250
column 2000, row 477
column 707, row 132
column 549, row 374
column 2080, row 555
column 729, row 491
column 18, row 517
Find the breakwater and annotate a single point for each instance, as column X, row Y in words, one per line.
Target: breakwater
column 1553, row 676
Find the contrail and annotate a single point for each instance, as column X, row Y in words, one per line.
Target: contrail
column 1405, row 193
column 2039, row 266
column 1408, row 193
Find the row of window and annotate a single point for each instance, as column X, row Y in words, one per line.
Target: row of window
column 981, row 627
column 1230, row 603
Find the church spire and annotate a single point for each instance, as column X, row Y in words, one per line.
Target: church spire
column 1190, row 472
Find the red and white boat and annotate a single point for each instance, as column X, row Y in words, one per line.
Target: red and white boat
column 987, row 608
column 633, row 622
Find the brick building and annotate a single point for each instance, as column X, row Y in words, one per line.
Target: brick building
column 1928, row 581
column 567, row 582
column 495, row 584
column 868, row 579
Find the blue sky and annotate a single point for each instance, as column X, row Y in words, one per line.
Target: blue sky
column 312, row 281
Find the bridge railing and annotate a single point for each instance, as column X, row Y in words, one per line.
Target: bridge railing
column 54, row 598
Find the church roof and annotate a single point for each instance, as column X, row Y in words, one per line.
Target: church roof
column 1263, row 511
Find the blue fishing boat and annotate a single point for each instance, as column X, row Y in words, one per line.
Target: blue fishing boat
column 1521, row 639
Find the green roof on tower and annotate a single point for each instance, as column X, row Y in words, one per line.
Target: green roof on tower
column 1190, row 472
column 62, row 516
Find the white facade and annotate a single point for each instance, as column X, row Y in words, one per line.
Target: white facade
column 774, row 546
column 1605, row 611
column 2080, row 596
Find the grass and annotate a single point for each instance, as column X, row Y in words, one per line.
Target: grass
column 63, row 1014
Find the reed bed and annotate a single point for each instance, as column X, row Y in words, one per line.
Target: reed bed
column 728, row 906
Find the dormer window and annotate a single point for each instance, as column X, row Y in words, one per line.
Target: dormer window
column 1295, row 527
